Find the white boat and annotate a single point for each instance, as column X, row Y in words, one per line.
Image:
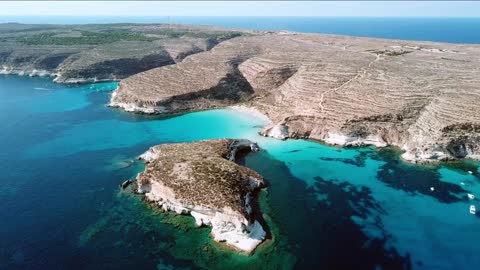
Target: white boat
column 472, row 209
column 471, row 196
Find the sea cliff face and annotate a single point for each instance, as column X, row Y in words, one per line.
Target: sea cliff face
column 94, row 53
column 202, row 179
column 420, row 96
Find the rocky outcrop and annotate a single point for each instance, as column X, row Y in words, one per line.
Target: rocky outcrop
column 202, row 179
column 341, row 90
column 202, row 81
column 217, row 85
column 92, row 53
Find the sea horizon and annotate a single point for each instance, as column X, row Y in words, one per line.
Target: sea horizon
column 435, row 29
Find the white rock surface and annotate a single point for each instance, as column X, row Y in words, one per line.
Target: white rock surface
column 227, row 225
column 278, row 131
column 132, row 107
column 345, row 140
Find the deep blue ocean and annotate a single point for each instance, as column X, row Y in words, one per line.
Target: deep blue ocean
column 64, row 153
column 454, row 30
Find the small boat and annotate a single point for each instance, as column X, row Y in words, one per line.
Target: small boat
column 470, row 172
column 472, row 209
column 471, row 196
column 432, row 189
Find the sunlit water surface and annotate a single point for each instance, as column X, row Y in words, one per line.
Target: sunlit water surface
column 63, row 154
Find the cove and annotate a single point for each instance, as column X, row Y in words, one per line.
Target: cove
column 64, row 153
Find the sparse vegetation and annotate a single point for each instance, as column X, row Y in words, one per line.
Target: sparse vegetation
column 114, row 35
column 389, row 52
column 87, row 38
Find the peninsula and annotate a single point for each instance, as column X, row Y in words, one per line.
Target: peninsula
column 100, row 52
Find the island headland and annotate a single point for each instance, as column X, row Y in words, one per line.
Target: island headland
column 202, row 179
column 420, row 96
column 100, row 52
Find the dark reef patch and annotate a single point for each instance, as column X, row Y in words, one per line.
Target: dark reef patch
column 415, row 179
column 358, row 160
column 464, row 166
column 301, row 215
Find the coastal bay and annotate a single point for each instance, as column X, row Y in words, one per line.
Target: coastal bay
column 333, row 125
column 62, row 168
column 342, row 90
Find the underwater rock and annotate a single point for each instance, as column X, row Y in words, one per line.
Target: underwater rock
column 126, row 183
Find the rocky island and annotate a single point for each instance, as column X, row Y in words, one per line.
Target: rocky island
column 202, row 179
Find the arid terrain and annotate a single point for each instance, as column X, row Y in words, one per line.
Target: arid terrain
column 420, row 96
column 90, row 53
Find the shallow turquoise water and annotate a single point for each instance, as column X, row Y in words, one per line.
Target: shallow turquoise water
column 64, row 153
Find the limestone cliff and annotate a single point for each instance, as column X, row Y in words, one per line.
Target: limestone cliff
column 201, row 179
column 420, row 96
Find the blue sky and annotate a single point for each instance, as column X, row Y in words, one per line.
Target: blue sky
column 239, row 8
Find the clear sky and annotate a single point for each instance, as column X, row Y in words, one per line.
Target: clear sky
column 241, row 8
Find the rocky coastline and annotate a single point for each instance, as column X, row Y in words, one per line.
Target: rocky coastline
column 419, row 96
column 97, row 53
column 422, row 97
column 350, row 91
column 201, row 179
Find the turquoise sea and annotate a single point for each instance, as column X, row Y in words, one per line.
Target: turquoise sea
column 64, row 153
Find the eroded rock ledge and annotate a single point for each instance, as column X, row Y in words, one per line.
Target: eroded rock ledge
column 202, row 179
column 420, row 96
